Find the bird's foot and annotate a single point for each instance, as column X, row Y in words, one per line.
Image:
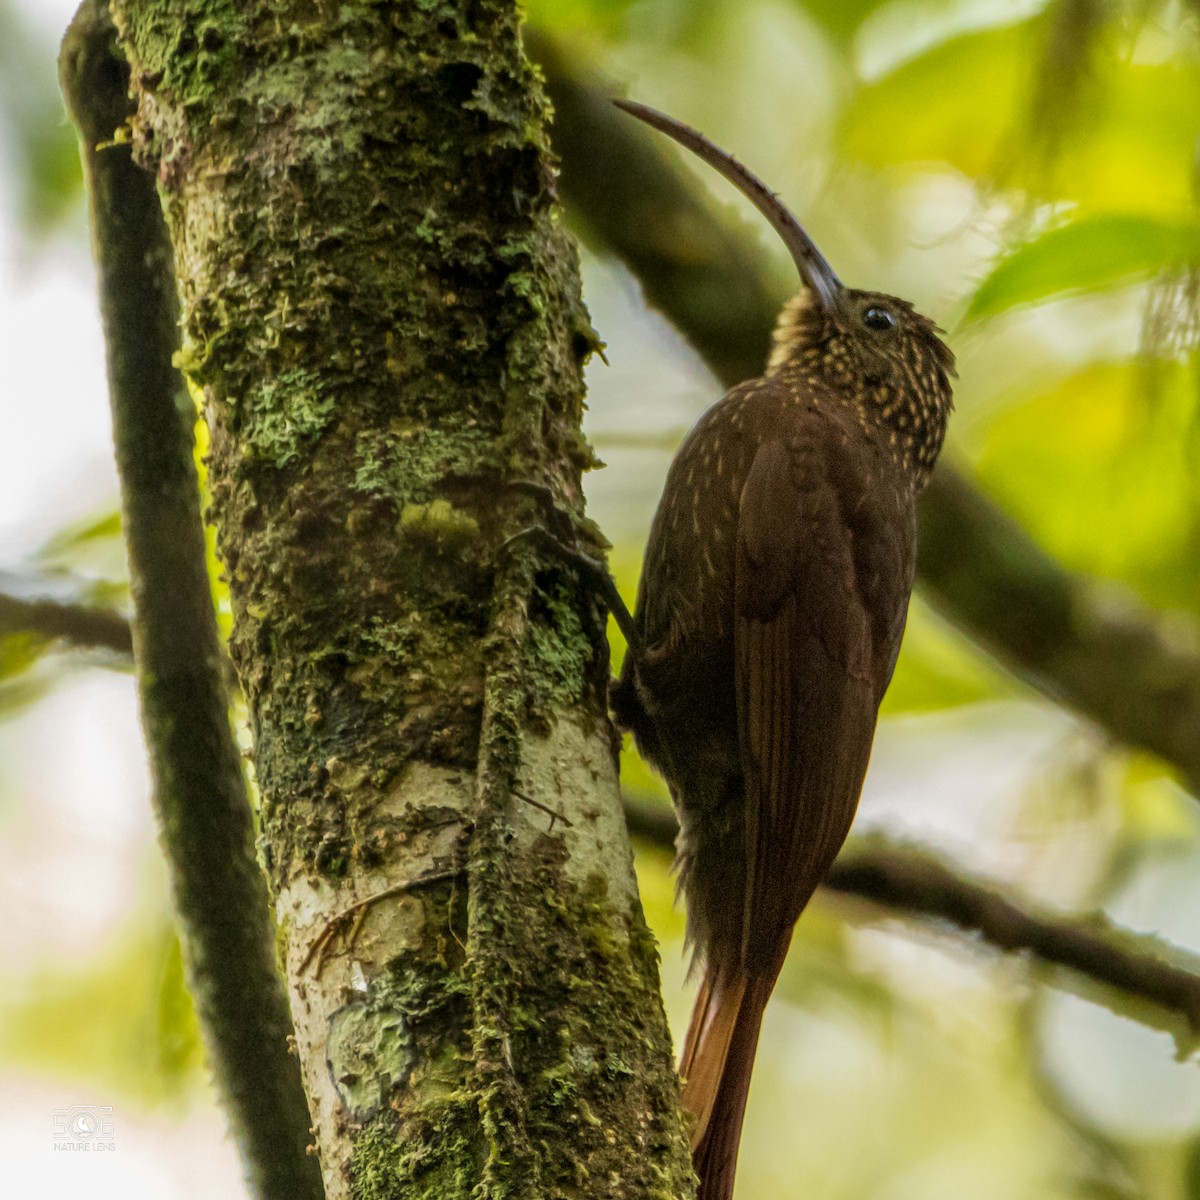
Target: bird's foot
column 593, row 570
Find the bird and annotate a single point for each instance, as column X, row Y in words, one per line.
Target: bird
column 770, row 609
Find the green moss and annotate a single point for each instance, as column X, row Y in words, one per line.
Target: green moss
column 577, row 1060
column 581, row 1062
column 411, row 458
column 439, row 523
column 560, row 651
column 386, row 1166
column 432, row 1148
column 188, row 61
column 282, row 413
column 370, row 1053
column 383, row 308
column 191, row 357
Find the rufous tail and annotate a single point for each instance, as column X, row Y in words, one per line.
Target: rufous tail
column 718, row 1056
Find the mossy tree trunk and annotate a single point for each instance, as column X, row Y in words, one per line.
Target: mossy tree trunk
column 383, row 311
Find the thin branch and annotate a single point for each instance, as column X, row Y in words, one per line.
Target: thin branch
column 358, row 909
column 204, row 815
column 1091, row 646
column 1161, row 981
column 81, row 625
column 916, row 884
column 1133, row 671
column 1143, row 967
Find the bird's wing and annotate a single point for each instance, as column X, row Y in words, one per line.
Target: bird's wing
column 805, row 691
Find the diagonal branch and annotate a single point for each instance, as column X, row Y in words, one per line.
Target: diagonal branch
column 203, row 812
column 1111, row 658
column 1160, row 979
column 915, row 884
column 1154, row 982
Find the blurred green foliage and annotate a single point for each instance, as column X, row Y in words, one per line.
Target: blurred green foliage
column 122, row 1020
column 1125, row 470
column 1028, row 173
column 83, row 563
column 43, row 162
column 1087, row 254
column 1029, row 176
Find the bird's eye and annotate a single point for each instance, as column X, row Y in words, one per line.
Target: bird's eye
column 878, row 318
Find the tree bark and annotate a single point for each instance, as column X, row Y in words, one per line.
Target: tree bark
column 383, row 312
column 199, row 790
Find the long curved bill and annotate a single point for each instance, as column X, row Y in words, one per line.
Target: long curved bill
column 810, row 262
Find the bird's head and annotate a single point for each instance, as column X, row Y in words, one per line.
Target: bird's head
column 873, row 350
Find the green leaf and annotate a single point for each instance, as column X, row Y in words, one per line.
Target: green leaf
column 101, row 527
column 46, row 169
column 1087, row 255
column 1132, row 148
column 841, row 18
column 1124, row 141
column 956, row 103
column 120, row 1018
column 572, row 17
column 26, row 670
column 88, row 557
column 19, row 650
column 1099, row 467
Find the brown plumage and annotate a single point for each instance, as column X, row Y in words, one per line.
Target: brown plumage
column 770, row 612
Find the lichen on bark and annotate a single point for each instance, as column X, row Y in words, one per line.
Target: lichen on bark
column 382, row 308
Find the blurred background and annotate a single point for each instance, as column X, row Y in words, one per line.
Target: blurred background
column 1026, row 173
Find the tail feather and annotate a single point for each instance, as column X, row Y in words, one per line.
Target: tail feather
column 706, row 1047
column 718, row 1057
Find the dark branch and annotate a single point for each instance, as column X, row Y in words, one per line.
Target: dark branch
column 203, row 812
column 916, row 884
column 1113, row 660
column 1161, row 981
column 1090, row 646
column 706, row 273
column 912, row 882
column 80, row 625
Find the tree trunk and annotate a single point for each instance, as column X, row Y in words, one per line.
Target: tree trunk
column 383, row 312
